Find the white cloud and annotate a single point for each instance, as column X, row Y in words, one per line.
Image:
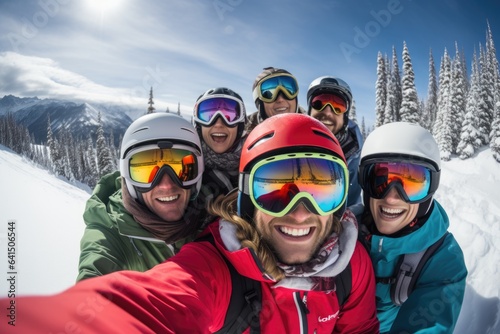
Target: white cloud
column 35, row 76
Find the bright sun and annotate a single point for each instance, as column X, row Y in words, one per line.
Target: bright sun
column 103, row 6
column 102, row 10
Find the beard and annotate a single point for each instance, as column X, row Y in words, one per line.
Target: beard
column 285, row 251
column 335, row 123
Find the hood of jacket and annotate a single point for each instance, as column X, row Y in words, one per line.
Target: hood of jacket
column 105, row 207
column 244, row 260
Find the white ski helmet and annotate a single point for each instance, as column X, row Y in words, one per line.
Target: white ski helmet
column 405, row 142
column 155, row 131
column 329, row 84
column 402, row 138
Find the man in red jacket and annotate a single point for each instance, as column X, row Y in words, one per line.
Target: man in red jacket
column 293, row 254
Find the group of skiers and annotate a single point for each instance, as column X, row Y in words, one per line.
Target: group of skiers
column 211, row 226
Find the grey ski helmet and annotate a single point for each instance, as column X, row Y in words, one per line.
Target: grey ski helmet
column 403, row 141
column 329, row 84
column 160, row 130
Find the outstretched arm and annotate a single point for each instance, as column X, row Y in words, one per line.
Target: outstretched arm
column 188, row 294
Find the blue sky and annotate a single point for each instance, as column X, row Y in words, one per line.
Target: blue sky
column 115, row 50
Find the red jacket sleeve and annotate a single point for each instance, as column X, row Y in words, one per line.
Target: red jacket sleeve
column 174, row 297
column 359, row 313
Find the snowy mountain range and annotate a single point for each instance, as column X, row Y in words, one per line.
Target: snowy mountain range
column 79, row 118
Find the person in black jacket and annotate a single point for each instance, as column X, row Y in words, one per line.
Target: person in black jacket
column 219, row 117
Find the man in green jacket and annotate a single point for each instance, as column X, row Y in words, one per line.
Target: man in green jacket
column 139, row 216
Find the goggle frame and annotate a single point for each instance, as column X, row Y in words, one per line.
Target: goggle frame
column 147, row 186
column 257, row 92
column 364, row 169
column 329, row 103
column 247, row 179
column 241, row 118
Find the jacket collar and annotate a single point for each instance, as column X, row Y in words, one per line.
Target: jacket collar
column 435, row 227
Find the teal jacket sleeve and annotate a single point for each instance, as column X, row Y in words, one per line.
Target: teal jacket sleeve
column 435, row 303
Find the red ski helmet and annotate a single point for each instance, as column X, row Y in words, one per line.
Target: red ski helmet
column 283, row 134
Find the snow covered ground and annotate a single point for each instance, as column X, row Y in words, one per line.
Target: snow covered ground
column 48, row 217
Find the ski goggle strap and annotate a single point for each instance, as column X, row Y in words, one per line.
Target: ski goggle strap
column 144, row 164
column 276, row 185
column 415, row 182
column 338, row 104
column 268, row 89
column 229, row 109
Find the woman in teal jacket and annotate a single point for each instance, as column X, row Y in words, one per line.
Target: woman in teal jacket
column 399, row 173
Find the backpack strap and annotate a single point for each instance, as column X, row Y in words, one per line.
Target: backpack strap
column 245, row 303
column 343, row 285
column 409, row 271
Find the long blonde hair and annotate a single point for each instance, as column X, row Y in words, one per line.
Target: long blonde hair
column 225, row 207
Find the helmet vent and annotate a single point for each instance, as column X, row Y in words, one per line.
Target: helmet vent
column 141, row 129
column 188, row 130
column 324, row 135
column 261, row 140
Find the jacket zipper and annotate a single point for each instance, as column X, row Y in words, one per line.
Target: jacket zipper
column 380, row 242
column 302, row 311
column 136, row 249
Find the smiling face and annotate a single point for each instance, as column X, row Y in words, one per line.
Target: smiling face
column 219, row 137
column 392, row 213
column 333, row 121
column 280, row 106
column 296, row 237
column 167, row 199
